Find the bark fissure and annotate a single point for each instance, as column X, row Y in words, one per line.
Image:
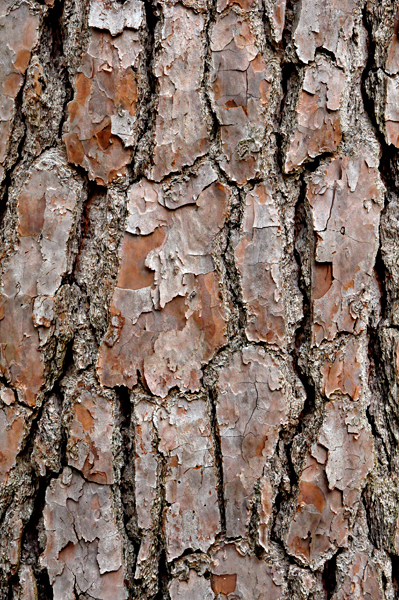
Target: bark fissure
column 199, row 304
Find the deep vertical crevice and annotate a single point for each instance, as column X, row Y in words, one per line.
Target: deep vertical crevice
column 213, row 397
column 395, row 575
column 96, row 243
column 163, row 577
column 31, row 547
column 205, row 84
column 368, row 71
column 127, row 487
column 58, row 52
column 127, row 474
column 143, row 150
column 289, row 83
column 163, row 573
column 8, row 180
column 152, row 19
column 50, row 53
column 233, row 224
column 329, row 576
column 379, row 385
column 303, row 253
column 382, row 411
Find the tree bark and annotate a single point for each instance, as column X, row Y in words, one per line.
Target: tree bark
column 199, row 344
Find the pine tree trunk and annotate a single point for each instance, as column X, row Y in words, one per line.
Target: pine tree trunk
column 199, row 316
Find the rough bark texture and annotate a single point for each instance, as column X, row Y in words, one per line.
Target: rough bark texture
column 199, row 303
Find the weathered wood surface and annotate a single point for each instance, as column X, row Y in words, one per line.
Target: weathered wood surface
column 199, row 300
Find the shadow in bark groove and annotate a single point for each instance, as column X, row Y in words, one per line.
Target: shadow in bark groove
column 395, row 574
column 329, row 576
column 163, row 578
column 127, row 483
column 212, row 394
column 145, row 142
column 31, row 547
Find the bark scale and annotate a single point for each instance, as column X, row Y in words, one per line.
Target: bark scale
column 199, row 311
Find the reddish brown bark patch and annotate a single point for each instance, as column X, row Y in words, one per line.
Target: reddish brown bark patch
column 102, row 115
column 170, row 307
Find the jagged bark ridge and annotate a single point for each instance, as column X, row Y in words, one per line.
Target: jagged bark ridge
column 199, row 306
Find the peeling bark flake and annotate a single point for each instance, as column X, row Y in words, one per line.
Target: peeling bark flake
column 84, row 548
column 90, row 435
column 325, row 24
column 101, row 128
column 19, row 34
column 345, row 198
column 168, row 317
column 252, row 407
column 240, row 82
column 181, row 134
column 318, row 127
column 47, row 208
column 14, row 428
column 233, row 574
column 330, row 485
column 258, row 255
column 192, row 514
